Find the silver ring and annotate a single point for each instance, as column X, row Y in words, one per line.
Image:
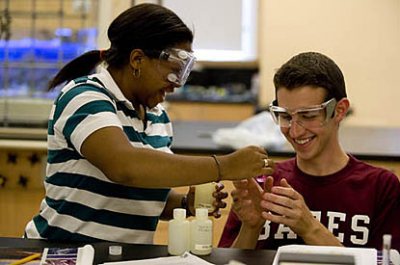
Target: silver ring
column 266, row 164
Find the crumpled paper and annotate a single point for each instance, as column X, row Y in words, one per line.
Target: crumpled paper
column 258, row 130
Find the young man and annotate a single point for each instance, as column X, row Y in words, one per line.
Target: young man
column 323, row 196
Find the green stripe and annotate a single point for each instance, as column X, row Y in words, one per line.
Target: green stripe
column 95, row 79
column 62, row 155
column 50, row 127
column 63, row 101
column 56, row 233
column 163, row 118
column 81, row 80
column 128, row 112
column 156, row 141
column 106, row 188
column 87, row 214
column 85, row 79
column 90, row 108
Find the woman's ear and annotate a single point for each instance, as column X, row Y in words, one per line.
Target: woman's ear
column 136, row 58
column 342, row 107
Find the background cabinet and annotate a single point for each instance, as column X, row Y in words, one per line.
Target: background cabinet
column 21, row 185
column 204, row 111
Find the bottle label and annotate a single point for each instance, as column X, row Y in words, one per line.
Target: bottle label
column 208, row 206
column 203, row 197
column 202, row 247
column 207, row 229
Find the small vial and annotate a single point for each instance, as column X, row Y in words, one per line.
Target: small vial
column 203, row 196
column 387, row 241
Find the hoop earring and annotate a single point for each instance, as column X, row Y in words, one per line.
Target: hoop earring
column 136, row 73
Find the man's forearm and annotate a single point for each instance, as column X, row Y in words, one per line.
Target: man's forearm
column 247, row 237
column 320, row 236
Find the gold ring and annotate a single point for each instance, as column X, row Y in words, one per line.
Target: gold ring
column 266, row 164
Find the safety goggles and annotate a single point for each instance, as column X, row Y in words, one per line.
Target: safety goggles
column 181, row 63
column 308, row 117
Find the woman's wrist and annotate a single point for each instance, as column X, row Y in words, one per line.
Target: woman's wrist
column 218, row 165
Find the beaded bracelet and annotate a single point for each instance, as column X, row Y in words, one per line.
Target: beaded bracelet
column 219, row 177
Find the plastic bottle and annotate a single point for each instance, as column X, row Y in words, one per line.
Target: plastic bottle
column 201, row 231
column 203, row 196
column 387, row 240
column 178, row 233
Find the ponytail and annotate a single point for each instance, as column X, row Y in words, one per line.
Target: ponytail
column 80, row 66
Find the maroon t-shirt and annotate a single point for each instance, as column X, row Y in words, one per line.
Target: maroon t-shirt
column 358, row 205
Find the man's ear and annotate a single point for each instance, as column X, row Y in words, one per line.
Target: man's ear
column 136, row 58
column 342, row 107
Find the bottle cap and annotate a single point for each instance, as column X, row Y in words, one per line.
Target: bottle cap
column 115, row 250
column 179, row 213
column 202, row 212
column 387, row 240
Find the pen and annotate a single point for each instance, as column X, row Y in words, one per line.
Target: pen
column 26, row 259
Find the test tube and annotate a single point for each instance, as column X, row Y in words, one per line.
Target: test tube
column 387, row 239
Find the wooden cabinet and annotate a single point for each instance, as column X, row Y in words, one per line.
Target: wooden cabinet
column 17, row 207
column 204, row 111
column 21, row 186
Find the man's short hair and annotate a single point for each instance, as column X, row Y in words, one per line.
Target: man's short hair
column 312, row 69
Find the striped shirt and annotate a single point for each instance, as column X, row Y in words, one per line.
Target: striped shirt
column 81, row 203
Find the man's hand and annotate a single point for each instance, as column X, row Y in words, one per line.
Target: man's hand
column 246, row 201
column 284, row 205
column 247, row 205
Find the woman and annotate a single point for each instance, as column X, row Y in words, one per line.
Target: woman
column 110, row 167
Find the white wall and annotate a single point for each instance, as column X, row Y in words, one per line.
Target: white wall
column 108, row 11
column 362, row 36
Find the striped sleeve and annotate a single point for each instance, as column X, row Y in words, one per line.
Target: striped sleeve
column 81, row 111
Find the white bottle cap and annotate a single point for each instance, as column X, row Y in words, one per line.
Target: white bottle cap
column 115, row 250
column 387, row 240
column 202, row 212
column 179, row 213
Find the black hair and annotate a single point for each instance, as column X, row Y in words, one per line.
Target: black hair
column 148, row 27
column 312, row 69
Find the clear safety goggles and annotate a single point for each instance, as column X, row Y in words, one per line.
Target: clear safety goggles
column 308, row 117
column 181, row 63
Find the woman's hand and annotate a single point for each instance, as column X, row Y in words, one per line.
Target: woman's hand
column 245, row 163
